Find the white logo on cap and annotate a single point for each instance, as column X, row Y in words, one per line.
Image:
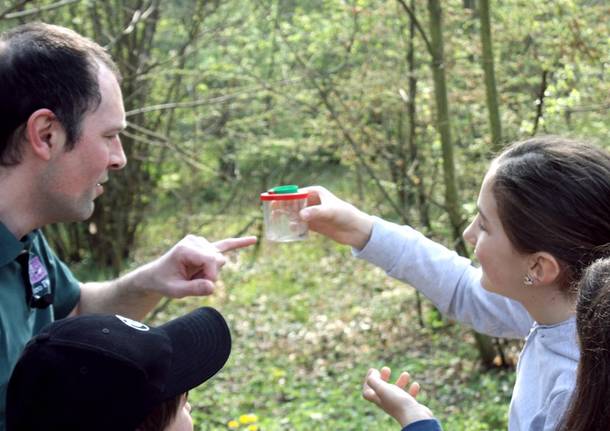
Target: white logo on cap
column 133, row 323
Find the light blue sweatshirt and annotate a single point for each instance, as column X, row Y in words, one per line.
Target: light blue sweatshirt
column 546, row 372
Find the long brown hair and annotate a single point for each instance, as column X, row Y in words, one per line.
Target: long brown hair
column 553, row 195
column 590, row 406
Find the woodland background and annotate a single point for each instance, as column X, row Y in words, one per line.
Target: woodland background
column 396, row 106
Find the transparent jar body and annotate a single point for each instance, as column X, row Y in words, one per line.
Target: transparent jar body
column 282, row 222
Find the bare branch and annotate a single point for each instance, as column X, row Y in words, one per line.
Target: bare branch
column 592, row 108
column 163, row 141
column 23, row 13
column 202, row 102
column 138, row 16
column 540, row 101
column 417, row 24
column 15, row 6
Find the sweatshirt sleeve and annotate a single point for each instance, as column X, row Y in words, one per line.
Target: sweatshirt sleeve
column 424, row 425
column 447, row 279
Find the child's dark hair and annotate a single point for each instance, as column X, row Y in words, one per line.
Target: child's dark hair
column 553, row 195
column 589, row 408
column 162, row 415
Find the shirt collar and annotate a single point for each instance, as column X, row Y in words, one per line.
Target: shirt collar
column 10, row 247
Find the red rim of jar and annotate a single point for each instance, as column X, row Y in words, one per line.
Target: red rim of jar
column 270, row 196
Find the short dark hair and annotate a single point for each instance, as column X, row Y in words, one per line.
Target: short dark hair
column 162, row 415
column 46, row 66
column 553, row 195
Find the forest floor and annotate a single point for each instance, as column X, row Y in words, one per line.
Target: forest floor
column 308, row 320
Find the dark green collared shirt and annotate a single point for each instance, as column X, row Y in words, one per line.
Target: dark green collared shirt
column 19, row 322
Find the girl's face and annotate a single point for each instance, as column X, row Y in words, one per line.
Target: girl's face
column 183, row 420
column 503, row 267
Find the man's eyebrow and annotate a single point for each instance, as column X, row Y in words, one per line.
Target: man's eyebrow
column 481, row 213
column 118, row 129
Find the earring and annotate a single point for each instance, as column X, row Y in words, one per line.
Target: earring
column 528, row 280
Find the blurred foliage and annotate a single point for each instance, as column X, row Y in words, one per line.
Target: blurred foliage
column 228, row 98
column 252, row 92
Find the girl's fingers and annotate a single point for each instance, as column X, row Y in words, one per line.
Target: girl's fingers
column 414, row 389
column 403, row 380
column 385, row 373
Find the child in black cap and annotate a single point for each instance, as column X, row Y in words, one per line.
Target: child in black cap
column 108, row 372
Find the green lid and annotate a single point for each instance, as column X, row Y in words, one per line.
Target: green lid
column 291, row 188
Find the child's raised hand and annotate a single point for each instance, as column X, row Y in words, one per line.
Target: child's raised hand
column 395, row 399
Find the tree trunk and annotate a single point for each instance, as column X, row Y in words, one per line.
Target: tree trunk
column 490, row 77
column 420, row 194
column 484, row 343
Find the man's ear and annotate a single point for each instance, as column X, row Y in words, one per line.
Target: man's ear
column 544, row 267
column 44, row 133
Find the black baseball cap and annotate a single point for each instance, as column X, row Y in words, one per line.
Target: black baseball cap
column 108, row 372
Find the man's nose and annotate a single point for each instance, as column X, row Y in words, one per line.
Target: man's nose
column 118, row 160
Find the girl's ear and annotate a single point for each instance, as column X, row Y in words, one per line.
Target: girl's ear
column 44, row 133
column 544, row 267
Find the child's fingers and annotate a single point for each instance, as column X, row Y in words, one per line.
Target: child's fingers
column 385, row 373
column 366, row 388
column 376, row 383
column 369, row 394
column 371, row 372
column 414, row 389
column 403, row 380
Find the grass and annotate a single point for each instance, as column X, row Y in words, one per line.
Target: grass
column 308, row 320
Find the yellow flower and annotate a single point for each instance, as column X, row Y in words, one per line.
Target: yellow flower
column 252, row 427
column 233, row 424
column 248, row 419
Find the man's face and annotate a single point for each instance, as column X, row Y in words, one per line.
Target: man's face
column 73, row 179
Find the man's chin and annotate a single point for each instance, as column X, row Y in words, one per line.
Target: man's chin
column 84, row 213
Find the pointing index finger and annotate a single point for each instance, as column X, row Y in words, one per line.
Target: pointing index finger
column 229, row 244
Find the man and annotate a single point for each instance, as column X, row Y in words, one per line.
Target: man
column 62, row 113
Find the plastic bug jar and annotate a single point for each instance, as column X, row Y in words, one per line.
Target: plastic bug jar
column 281, row 206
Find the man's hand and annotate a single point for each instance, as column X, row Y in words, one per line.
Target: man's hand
column 336, row 219
column 190, row 268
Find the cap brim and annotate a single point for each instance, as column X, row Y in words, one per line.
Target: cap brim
column 201, row 343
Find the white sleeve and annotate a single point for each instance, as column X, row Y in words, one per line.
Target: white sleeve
column 447, row 279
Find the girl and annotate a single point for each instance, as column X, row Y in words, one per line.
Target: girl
column 543, row 215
